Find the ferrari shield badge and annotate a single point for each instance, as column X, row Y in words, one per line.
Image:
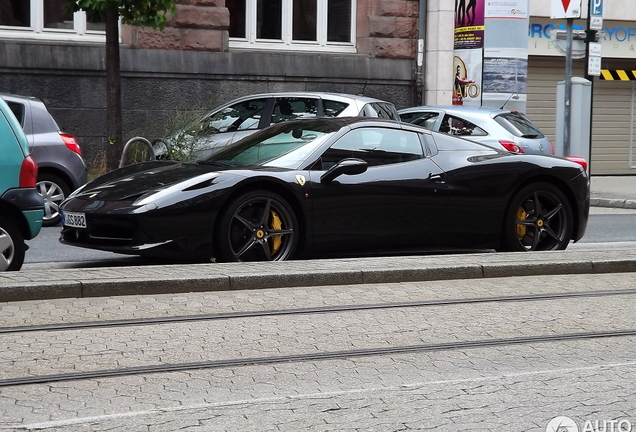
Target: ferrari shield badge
column 300, row 179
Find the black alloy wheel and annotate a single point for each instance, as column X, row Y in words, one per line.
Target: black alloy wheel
column 257, row 226
column 11, row 246
column 539, row 218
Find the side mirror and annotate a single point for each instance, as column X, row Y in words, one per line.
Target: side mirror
column 350, row 166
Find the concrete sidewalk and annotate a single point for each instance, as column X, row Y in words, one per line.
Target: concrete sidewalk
column 613, row 191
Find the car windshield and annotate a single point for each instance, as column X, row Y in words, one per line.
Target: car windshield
column 519, row 125
column 285, row 145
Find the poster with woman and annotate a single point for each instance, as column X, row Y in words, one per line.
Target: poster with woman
column 467, row 65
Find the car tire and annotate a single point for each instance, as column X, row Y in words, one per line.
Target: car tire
column 257, row 226
column 532, row 227
column 12, row 246
column 54, row 190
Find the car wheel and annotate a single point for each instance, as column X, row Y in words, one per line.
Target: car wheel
column 53, row 189
column 539, row 218
column 257, row 226
column 11, row 246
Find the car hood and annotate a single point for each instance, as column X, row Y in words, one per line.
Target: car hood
column 158, row 179
column 134, row 181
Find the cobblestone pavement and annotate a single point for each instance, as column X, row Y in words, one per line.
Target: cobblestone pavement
column 506, row 387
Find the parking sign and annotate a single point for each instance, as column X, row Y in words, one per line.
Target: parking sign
column 596, row 14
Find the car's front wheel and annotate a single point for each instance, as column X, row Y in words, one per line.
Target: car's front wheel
column 257, row 226
column 539, row 218
column 11, row 246
column 53, row 189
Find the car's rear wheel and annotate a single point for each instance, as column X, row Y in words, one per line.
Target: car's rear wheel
column 539, row 218
column 54, row 190
column 11, row 246
column 257, row 226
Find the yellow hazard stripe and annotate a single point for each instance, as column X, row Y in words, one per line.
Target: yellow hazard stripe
column 618, row 75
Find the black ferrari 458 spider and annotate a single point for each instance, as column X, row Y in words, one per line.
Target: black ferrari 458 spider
column 333, row 187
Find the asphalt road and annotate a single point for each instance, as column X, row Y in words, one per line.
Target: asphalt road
column 606, row 226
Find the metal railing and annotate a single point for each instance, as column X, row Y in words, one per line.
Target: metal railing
column 148, row 144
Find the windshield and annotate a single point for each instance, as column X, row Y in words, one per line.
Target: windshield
column 285, row 145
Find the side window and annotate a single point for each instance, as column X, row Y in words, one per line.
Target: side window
column 332, row 108
column 426, row 120
column 456, row 126
column 376, row 146
column 293, row 108
column 241, row 116
column 409, row 117
column 18, row 111
column 380, row 110
column 429, row 144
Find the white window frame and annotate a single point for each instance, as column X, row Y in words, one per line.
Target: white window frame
column 39, row 32
column 321, row 44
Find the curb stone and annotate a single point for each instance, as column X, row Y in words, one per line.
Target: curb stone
column 169, row 279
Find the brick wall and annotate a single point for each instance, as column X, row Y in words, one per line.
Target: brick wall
column 385, row 28
column 198, row 25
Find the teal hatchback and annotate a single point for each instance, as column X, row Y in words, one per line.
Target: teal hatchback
column 21, row 207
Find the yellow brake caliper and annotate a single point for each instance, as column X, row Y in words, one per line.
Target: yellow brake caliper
column 521, row 216
column 277, row 225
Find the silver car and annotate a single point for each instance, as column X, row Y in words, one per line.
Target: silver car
column 498, row 128
column 61, row 168
column 243, row 116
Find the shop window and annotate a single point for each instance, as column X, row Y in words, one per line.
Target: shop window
column 46, row 19
column 309, row 25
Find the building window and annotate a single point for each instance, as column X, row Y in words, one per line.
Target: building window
column 310, row 25
column 15, row 13
column 46, row 19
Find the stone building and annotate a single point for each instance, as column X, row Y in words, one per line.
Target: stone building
column 210, row 52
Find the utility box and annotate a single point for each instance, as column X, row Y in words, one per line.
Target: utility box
column 580, row 112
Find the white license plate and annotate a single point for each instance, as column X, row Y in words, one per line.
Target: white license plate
column 75, row 220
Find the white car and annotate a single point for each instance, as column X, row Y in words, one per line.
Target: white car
column 498, row 128
column 241, row 117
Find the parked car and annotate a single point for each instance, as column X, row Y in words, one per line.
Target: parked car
column 61, row 168
column 332, row 187
column 241, row 117
column 491, row 126
column 21, row 207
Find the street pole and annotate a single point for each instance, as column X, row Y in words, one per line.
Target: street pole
column 594, row 25
column 568, row 87
column 590, row 78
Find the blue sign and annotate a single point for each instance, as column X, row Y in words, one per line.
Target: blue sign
column 596, row 7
